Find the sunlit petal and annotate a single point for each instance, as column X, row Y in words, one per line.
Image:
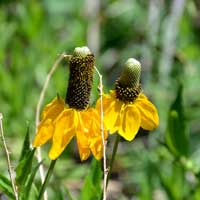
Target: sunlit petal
column 53, row 109
column 46, row 126
column 64, row 132
column 45, row 132
column 96, row 147
column 83, row 145
column 148, row 112
column 130, row 122
column 84, row 153
column 112, row 109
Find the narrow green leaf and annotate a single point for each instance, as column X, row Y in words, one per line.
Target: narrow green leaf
column 92, row 184
column 177, row 137
column 26, row 190
column 24, row 168
column 6, row 187
column 26, row 145
column 96, row 174
column 88, row 192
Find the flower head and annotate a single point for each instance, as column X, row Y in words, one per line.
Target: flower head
column 62, row 120
column 126, row 108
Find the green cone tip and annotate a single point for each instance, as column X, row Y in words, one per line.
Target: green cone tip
column 82, row 51
column 131, row 73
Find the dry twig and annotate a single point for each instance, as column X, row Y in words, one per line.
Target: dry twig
column 105, row 170
column 37, row 117
column 8, row 158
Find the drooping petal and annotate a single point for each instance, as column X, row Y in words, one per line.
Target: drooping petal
column 84, row 153
column 63, row 133
column 130, row 122
column 53, row 109
column 112, row 108
column 95, row 134
column 82, row 137
column 83, row 145
column 46, row 127
column 96, row 147
column 148, row 112
column 45, row 132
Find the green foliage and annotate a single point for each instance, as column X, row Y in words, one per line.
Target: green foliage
column 24, row 173
column 24, row 167
column 26, row 189
column 177, row 137
column 173, row 182
column 161, row 165
column 26, row 145
column 6, row 187
column 92, row 184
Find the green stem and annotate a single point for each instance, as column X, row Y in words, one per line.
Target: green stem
column 49, row 173
column 117, row 139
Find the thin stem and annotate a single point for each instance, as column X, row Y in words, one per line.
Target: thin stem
column 105, row 171
column 49, row 173
column 117, row 139
column 8, row 158
column 37, row 116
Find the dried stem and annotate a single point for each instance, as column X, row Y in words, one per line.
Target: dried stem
column 105, row 171
column 8, row 158
column 37, row 117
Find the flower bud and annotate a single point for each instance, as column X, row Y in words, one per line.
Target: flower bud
column 131, row 73
column 127, row 86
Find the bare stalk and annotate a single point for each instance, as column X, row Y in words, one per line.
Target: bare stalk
column 37, row 116
column 8, row 158
column 105, row 171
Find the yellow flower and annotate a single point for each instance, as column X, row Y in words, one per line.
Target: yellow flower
column 126, row 108
column 61, row 123
column 62, row 120
column 127, row 118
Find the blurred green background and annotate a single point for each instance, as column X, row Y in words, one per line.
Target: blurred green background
column 163, row 35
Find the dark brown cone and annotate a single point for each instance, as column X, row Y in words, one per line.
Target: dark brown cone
column 80, row 81
column 126, row 94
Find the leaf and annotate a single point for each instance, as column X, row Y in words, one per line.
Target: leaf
column 177, row 137
column 24, row 168
column 92, row 184
column 26, row 190
column 26, row 145
column 6, row 187
column 173, row 181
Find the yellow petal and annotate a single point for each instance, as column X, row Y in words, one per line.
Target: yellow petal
column 89, row 134
column 130, row 123
column 53, row 109
column 83, row 144
column 148, row 113
column 112, row 109
column 84, row 152
column 96, row 147
column 95, row 138
column 84, row 121
column 46, row 127
column 64, row 132
column 45, row 132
